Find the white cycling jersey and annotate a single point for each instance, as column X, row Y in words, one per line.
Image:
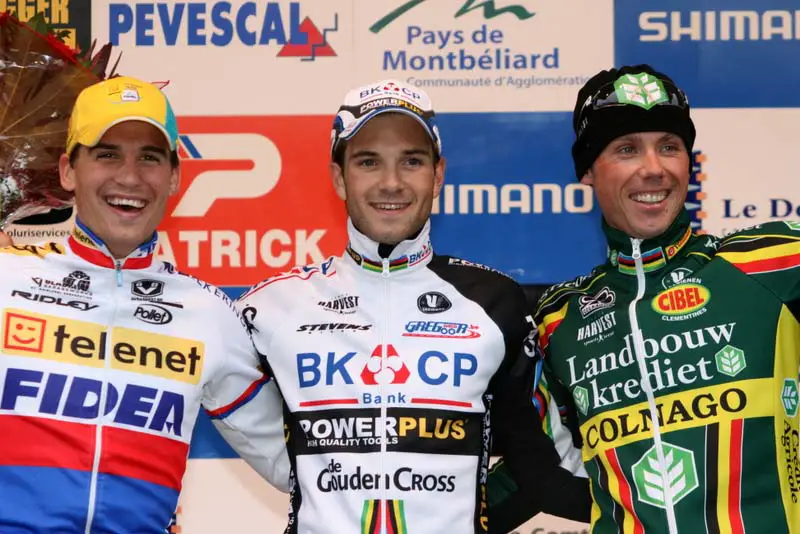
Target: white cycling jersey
column 388, row 369
column 104, row 365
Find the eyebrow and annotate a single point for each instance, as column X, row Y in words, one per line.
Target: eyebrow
column 146, row 148
column 408, row 152
column 103, row 146
column 153, row 148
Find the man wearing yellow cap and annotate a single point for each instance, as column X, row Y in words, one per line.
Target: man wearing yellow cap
column 106, row 355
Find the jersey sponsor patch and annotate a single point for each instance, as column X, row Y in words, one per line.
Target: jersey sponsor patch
column 332, row 328
column 31, row 391
column 84, row 343
column 605, row 298
column 344, row 304
column 339, row 368
column 405, row 429
column 441, row 329
column 684, row 301
column 344, row 474
column 433, row 302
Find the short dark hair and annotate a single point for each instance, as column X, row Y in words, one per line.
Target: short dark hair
column 174, row 160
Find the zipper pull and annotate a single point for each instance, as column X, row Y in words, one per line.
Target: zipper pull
column 385, row 272
column 118, row 267
column 636, row 253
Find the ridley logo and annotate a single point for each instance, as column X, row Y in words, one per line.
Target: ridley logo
column 605, row 298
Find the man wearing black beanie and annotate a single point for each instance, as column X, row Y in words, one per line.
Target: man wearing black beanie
column 676, row 363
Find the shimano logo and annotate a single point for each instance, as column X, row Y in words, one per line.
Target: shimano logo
column 467, row 199
column 723, row 25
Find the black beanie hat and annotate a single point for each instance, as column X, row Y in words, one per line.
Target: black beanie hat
column 596, row 126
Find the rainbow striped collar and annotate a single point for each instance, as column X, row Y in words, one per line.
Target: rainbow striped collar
column 88, row 245
column 407, row 254
column 656, row 252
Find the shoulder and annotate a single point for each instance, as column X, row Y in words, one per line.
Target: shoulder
column 40, row 251
column 461, row 272
column 289, row 281
column 556, row 297
column 500, row 297
column 761, row 235
column 200, row 293
column 763, row 248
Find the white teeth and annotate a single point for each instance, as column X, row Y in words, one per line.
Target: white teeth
column 390, row 206
column 132, row 202
column 650, row 198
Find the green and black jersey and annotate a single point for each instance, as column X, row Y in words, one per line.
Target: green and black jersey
column 676, row 365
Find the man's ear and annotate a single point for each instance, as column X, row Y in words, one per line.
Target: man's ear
column 175, row 180
column 337, row 177
column 66, row 173
column 438, row 176
column 588, row 178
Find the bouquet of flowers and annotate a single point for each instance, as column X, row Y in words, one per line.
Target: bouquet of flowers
column 40, row 78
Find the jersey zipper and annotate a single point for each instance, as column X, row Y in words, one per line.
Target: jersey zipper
column 384, row 325
column 98, row 436
column 638, row 347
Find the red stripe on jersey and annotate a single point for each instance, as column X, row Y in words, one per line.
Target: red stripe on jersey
column 42, row 442
column 544, row 340
column 624, row 491
column 735, row 477
column 327, row 402
column 772, row 264
column 147, row 457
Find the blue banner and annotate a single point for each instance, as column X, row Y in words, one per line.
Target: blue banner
column 735, row 53
column 511, row 199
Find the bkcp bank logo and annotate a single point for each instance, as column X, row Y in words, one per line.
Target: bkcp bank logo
column 254, row 200
column 222, row 24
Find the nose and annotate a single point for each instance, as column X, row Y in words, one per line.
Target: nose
column 391, row 180
column 651, row 163
column 128, row 173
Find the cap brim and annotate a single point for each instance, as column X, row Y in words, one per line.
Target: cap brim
column 99, row 135
column 394, row 109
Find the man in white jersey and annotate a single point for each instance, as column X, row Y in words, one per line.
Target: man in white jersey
column 398, row 367
column 107, row 355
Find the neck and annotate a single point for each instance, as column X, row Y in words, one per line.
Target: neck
column 92, row 248
column 375, row 256
column 656, row 250
column 120, row 253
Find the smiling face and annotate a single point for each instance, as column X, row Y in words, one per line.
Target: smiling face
column 641, row 181
column 23, row 333
column 389, row 178
column 121, row 185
